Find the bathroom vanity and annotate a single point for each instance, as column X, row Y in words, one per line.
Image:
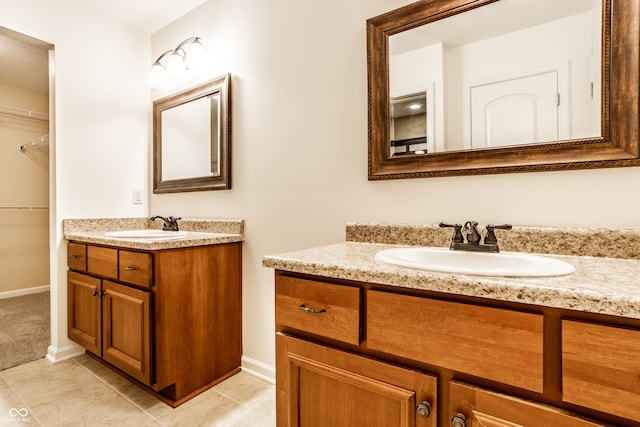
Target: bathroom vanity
column 381, row 345
column 165, row 313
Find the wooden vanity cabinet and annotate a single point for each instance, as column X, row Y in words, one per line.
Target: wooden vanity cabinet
column 168, row 319
column 494, row 364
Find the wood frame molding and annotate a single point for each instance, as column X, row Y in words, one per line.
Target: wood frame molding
column 618, row 147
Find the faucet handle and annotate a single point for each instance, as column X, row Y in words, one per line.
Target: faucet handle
column 490, row 238
column 457, row 232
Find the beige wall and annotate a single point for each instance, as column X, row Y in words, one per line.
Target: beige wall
column 24, row 181
column 300, row 148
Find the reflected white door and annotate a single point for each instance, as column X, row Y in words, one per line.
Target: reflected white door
column 516, row 111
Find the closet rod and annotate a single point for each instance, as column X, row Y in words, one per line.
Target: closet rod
column 43, row 141
column 23, row 208
column 20, row 112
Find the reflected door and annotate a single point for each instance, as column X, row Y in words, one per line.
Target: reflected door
column 516, row 111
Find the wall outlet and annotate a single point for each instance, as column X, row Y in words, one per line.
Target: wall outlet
column 137, row 196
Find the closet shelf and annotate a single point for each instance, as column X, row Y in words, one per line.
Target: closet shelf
column 24, row 208
column 20, row 112
column 42, row 143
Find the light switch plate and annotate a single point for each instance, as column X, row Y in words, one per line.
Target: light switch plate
column 137, row 196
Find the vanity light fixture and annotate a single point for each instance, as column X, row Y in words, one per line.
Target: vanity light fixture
column 183, row 62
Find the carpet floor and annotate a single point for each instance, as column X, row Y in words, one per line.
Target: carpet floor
column 25, row 331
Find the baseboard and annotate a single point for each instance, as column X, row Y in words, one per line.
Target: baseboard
column 55, row 354
column 259, row 369
column 26, row 291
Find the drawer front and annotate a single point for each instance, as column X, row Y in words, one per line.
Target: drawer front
column 136, row 268
column 332, row 311
column 486, row 408
column 102, row 261
column 496, row 344
column 601, row 368
column 77, row 256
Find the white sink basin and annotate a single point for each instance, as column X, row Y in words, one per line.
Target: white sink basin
column 505, row 264
column 146, row 234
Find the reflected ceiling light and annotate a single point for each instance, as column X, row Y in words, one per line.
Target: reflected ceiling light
column 415, row 106
column 185, row 61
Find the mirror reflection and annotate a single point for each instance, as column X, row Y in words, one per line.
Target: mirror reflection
column 513, row 72
column 190, row 135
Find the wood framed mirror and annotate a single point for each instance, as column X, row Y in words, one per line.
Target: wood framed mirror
column 611, row 141
column 192, row 139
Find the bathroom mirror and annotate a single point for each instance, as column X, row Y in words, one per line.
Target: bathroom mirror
column 508, row 86
column 192, row 140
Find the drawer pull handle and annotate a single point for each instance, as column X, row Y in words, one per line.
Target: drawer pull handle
column 74, row 256
column 131, row 268
column 424, row 409
column 311, row 310
column 459, row 421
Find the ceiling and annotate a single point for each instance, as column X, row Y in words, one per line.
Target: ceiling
column 24, row 60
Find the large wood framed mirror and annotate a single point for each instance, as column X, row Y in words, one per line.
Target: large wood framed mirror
column 467, row 87
column 192, row 139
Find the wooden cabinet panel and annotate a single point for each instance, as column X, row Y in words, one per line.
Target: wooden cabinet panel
column 332, row 311
column 601, row 368
column 77, row 256
column 318, row 387
column 126, row 322
column 497, row 344
column 102, row 261
column 483, row 408
column 135, row 268
column 83, row 311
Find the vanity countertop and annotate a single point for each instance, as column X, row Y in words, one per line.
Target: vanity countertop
column 601, row 285
column 200, row 232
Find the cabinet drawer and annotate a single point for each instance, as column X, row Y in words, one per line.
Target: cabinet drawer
column 332, row 311
column 135, row 268
column 77, row 256
column 486, row 408
column 102, row 261
column 496, row 344
column 601, row 368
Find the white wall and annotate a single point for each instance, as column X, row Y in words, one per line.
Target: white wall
column 300, row 148
column 101, row 123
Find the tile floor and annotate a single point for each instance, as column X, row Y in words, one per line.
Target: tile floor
column 83, row 392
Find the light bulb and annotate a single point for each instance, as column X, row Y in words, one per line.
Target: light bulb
column 175, row 66
column 195, row 57
column 157, row 77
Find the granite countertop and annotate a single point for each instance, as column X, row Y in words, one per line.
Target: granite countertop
column 604, row 285
column 200, row 232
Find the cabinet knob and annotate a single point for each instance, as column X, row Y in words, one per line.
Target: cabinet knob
column 96, row 293
column 424, row 409
column 311, row 310
column 459, row 421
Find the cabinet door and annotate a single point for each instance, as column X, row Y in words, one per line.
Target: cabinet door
column 318, row 386
column 483, row 408
column 126, row 323
column 83, row 312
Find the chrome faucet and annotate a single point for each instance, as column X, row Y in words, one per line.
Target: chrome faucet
column 170, row 223
column 473, row 236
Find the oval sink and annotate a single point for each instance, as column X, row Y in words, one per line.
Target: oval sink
column 505, row 264
column 146, row 234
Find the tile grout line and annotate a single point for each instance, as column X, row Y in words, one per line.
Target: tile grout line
column 153, row 418
column 27, row 407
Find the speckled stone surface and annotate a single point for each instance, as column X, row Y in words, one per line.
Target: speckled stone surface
column 201, row 231
column 596, row 242
column 604, row 285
